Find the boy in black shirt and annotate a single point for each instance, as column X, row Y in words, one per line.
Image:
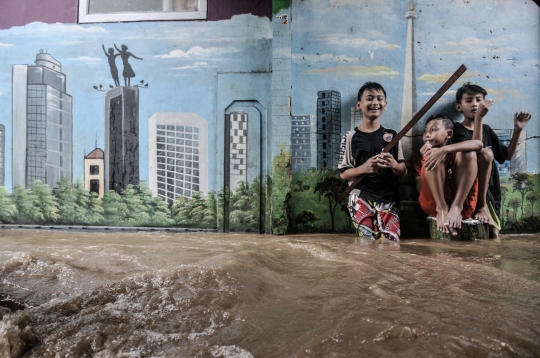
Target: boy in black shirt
column 488, row 207
column 372, row 204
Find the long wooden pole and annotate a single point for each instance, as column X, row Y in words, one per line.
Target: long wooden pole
column 411, row 123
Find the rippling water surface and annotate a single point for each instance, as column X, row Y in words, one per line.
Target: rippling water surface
column 72, row 294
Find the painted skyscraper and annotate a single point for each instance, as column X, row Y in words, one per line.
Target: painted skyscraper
column 238, row 148
column 2, row 154
column 121, row 138
column 301, row 142
column 42, row 123
column 178, row 154
column 409, row 87
column 356, row 117
column 328, row 128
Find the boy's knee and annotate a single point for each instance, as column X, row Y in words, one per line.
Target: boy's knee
column 486, row 155
column 469, row 156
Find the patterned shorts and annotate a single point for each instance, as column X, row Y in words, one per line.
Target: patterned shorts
column 373, row 219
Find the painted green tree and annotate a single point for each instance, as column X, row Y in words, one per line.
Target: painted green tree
column 8, row 210
column 329, row 188
column 281, row 193
column 523, row 183
column 115, row 211
column 515, row 203
column 532, row 198
column 157, row 209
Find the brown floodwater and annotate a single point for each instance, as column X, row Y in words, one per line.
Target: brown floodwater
column 103, row 294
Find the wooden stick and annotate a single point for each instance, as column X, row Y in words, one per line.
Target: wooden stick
column 411, row 123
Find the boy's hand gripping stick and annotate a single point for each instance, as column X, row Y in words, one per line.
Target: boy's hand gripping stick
column 411, row 123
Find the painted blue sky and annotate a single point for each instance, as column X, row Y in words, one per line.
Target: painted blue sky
column 340, row 44
column 181, row 61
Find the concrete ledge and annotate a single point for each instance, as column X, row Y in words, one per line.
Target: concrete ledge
column 103, row 228
column 470, row 230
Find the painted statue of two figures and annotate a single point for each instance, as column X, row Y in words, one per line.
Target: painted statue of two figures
column 127, row 72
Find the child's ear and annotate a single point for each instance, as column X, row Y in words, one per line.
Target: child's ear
column 358, row 105
column 458, row 107
column 449, row 133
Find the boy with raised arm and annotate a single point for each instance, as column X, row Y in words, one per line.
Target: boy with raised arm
column 445, row 175
column 468, row 98
column 372, row 204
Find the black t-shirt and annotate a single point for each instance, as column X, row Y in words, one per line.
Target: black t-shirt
column 500, row 153
column 382, row 186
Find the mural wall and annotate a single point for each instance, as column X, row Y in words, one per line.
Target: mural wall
column 135, row 120
column 236, row 124
column 411, row 48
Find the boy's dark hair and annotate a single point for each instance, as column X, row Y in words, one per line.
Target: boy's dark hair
column 371, row 86
column 469, row 88
column 446, row 121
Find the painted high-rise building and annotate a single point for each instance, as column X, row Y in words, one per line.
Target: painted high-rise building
column 408, row 108
column 328, row 128
column 121, row 138
column 301, row 142
column 238, row 148
column 42, row 123
column 94, row 172
column 2, row 154
column 356, row 117
column 178, row 154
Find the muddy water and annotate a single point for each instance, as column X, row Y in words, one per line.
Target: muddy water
column 216, row 295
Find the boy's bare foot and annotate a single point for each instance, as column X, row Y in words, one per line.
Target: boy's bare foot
column 481, row 214
column 442, row 221
column 453, row 218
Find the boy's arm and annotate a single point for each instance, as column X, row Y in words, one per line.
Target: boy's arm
column 369, row 167
column 520, row 121
column 481, row 111
column 387, row 160
column 437, row 155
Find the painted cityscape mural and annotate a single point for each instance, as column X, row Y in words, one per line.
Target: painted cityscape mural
column 124, row 125
column 236, row 124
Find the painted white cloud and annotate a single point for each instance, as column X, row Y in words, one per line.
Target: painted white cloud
column 297, row 57
column 86, row 59
column 198, row 51
column 67, row 43
column 381, row 5
column 6, row 45
column 374, row 71
column 190, row 67
column 475, row 44
column 357, row 42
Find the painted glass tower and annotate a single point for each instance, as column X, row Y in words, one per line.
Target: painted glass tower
column 121, row 138
column 301, row 143
column 42, row 123
column 178, row 154
column 328, row 128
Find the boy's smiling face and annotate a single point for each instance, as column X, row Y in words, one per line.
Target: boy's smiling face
column 469, row 104
column 372, row 103
column 436, row 134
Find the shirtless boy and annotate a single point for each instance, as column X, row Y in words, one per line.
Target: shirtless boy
column 446, row 175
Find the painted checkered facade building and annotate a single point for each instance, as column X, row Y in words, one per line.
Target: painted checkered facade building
column 238, row 147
